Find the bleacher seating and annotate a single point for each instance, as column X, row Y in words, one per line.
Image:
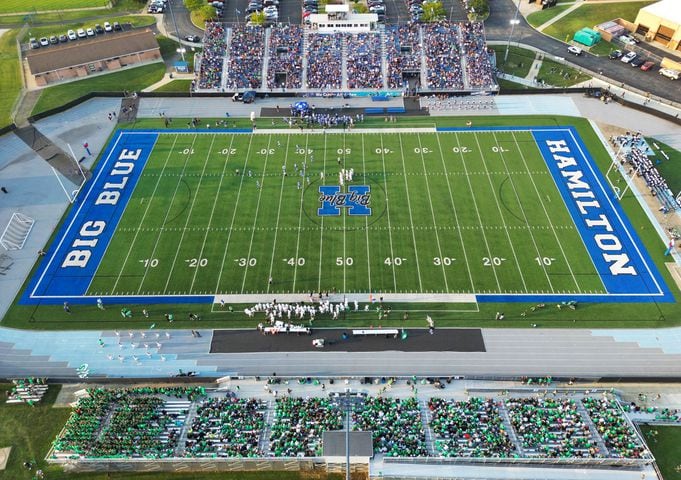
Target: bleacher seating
column 324, row 64
column 364, row 62
column 285, row 56
column 246, row 50
column 403, row 52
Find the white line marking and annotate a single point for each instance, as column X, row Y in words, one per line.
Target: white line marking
column 276, row 229
column 411, row 220
column 300, row 217
column 366, row 218
column 387, row 211
column 321, row 229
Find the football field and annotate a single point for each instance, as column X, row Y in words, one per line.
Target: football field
column 461, row 215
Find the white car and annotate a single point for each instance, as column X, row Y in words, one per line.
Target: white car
column 628, row 57
column 44, row 42
column 72, row 35
column 669, row 73
column 627, row 39
column 575, row 50
column 108, row 27
column 90, row 32
column 81, row 33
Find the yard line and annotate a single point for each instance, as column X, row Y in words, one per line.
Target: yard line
column 411, row 220
column 165, row 219
column 276, row 229
column 321, row 229
column 345, row 216
column 144, row 216
column 255, row 216
column 432, row 212
column 236, row 210
column 387, row 211
column 517, row 197
column 300, row 217
column 503, row 220
column 456, row 216
column 366, row 218
column 475, row 205
column 543, row 206
column 210, row 219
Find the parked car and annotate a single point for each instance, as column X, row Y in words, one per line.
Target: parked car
column 628, row 57
column 108, row 27
column 44, row 42
column 627, row 39
column 54, row 40
column 615, row 54
column 637, row 62
column 669, row 73
column 98, row 29
column 81, row 33
column 90, row 32
column 33, row 43
column 63, row 38
column 647, row 66
column 117, row 27
column 193, row 38
column 72, row 35
column 575, row 50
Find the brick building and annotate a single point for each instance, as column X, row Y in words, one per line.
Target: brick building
column 81, row 58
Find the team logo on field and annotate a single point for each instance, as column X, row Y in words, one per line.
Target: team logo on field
column 356, row 200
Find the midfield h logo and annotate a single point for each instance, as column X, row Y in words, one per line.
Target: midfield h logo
column 356, row 200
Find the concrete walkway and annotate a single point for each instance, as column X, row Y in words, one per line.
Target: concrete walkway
column 572, row 8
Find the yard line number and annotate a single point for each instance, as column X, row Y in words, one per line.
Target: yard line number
column 197, row 262
column 293, row 261
column 496, row 149
column 492, row 261
column 446, row 261
column 246, row 262
column 548, row 261
column 149, row 262
column 461, row 149
column 228, row 151
column 347, row 261
column 396, row 261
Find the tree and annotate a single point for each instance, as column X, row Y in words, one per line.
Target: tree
column 433, row 11
column 194, row 4
column 258, row 18
column 204, row 14
column 479, row 10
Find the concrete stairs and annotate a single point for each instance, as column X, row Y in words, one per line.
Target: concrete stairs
column 506, row 419
column 265, row 59
column 592, row 428
column 384, row 61
column 306, row 44
column 426, row 417
column 344, row 64
column 424, row 65
column 179, row 448
column 264, row 443
column 464, row 63
column 225, row 60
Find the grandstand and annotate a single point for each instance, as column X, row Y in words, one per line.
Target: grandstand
column 437, row 57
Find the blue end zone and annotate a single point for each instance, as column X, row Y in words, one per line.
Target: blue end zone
column 71, row 262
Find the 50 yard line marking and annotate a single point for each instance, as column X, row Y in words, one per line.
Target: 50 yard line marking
column 236, row 209
column 411, row 220
column 276, row 231
column 366, row 218
column 432, row 212
column 255, row 215
column 300, row 216
column 165, row 219
column 189, row 216
column 210, row 219
column 144, row 215
column 321, row 230
column 503, row 220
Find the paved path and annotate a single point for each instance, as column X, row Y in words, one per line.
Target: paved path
column 571, row 9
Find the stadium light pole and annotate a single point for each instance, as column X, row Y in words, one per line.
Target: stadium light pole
column 177, row 31
column 513, row 23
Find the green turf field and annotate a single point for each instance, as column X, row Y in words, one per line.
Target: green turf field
column 452, row 213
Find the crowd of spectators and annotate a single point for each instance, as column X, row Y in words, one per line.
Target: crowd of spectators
column 640, row 163
column 124, row 423
column 212, row 59
column 617, row 433
column 285, row 48
column 324, row 64
column 479, row 72
column 551, row 427
column 226, row 427
column 443, row 56
column 403, row 52
column 395, row 425
column 471, row 428
column 364, row 64
column 246, row 50
column 299, row 424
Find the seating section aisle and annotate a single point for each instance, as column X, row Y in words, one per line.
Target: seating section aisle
column 286, row 59
column 471, row 428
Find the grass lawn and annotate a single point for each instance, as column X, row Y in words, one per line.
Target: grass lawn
column 59, row 16
column 86, row 316
column 669, row 169
column 666, row 447
column 540, row 17
column 509, row 85
column 10, row 76
column 13, row 6
column 31, row 430
column 133, row 79
column 558, row 75
column 175, row 86
column 590, row 15
column 519, row 60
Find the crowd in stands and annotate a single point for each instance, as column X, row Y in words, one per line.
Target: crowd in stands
column 443, row 58
column 640, row 163
column 27, row 390
column 551, row 427
column 617, row 433
column 364, row 64
column 299, row 424
column 286, row 56
column 226, row 427
column 403, row 52
column 246, row 50
column 123, row 423
column 395, row 424
column 324, row 64
column 214, row 47
column 471, row 428
column 479, row 70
